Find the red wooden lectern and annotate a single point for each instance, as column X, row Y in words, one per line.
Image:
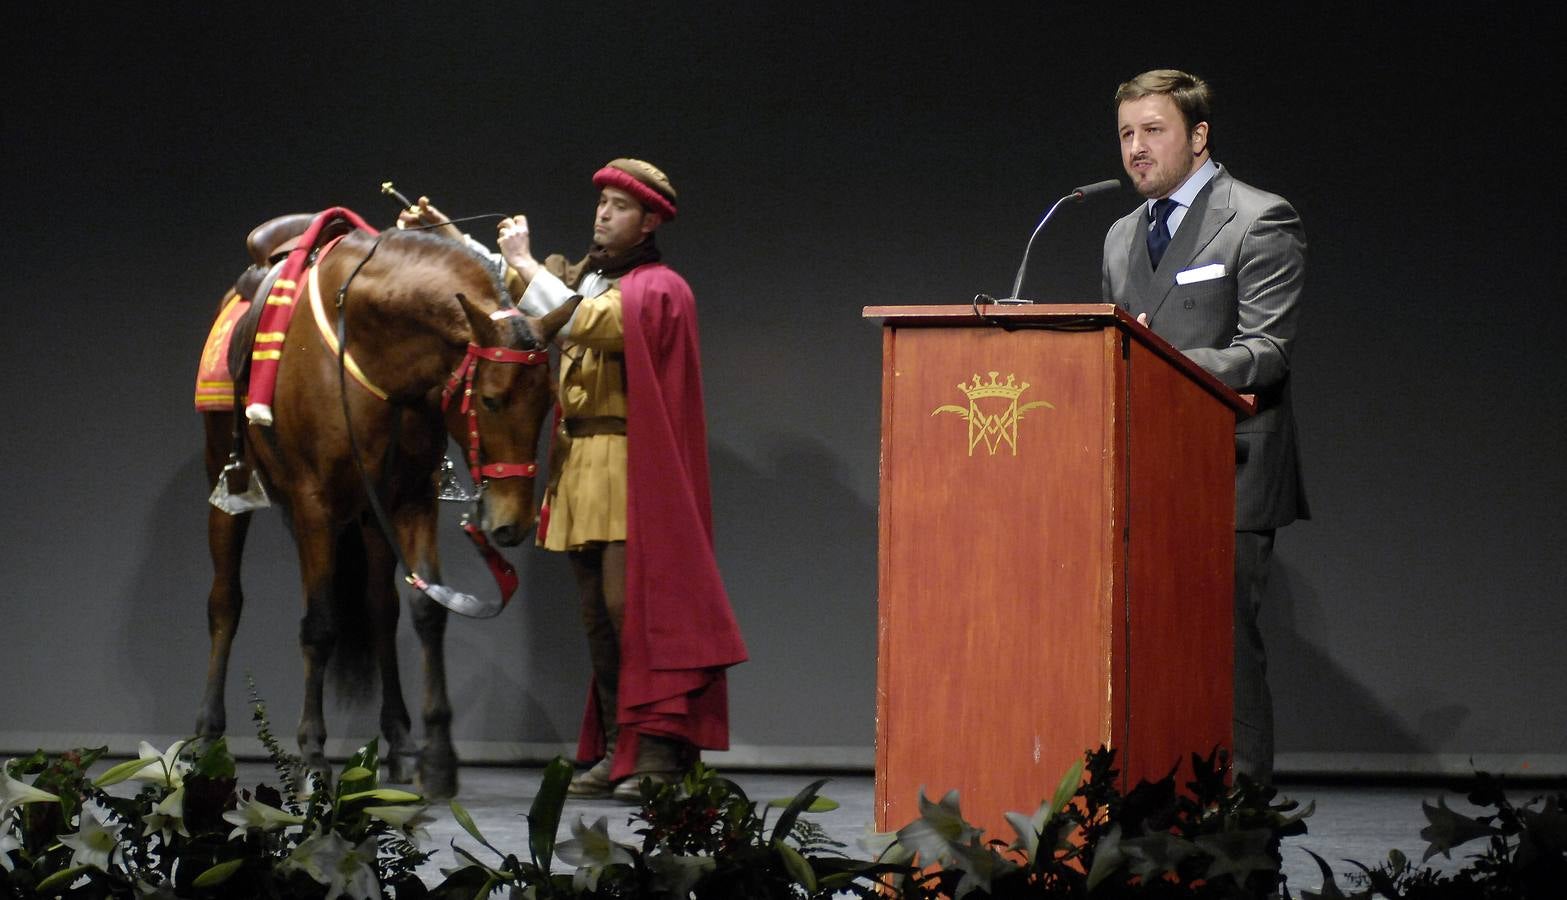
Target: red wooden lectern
column 1056, row 554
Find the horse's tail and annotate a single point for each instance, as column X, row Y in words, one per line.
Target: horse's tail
column 353, row 668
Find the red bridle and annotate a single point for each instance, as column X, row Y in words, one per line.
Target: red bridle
column 464, row 375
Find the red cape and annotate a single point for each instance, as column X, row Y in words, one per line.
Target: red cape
column 679, row 633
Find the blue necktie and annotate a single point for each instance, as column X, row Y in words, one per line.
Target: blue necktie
column 1159, row 234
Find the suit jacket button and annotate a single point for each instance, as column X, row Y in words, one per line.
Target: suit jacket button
column 1190, row 303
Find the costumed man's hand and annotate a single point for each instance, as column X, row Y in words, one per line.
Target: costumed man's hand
column 423, row 213
column 517, row 246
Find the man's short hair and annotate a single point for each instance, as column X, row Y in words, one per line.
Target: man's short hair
column 1191, row 94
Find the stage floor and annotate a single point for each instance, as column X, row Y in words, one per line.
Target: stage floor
column 1352, row 821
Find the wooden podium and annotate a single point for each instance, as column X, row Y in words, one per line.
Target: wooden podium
column 1055, row 554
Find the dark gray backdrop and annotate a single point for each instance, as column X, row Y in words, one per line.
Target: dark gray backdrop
column 827, row 158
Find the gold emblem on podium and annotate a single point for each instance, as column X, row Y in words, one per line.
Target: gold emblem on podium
column 993, row 411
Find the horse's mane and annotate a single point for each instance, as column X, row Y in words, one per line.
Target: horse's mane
column 413, row 255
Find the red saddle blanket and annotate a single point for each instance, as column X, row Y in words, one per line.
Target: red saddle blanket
column 214, row 381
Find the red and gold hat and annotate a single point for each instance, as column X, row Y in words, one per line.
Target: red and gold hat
column 641, row 180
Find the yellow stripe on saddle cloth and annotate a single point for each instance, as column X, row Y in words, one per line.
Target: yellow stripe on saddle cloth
column 214, row 382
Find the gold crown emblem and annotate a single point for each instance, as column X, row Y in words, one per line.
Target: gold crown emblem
column 994, row 424
column 993, row 388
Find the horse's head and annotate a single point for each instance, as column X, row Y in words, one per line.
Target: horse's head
column 498, row 410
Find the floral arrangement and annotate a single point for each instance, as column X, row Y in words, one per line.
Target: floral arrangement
column 188, row 832
column 173, row 824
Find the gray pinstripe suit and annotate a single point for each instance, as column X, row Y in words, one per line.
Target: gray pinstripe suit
column 1240, row 327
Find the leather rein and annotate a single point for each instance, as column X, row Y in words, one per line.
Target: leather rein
column 504, row 573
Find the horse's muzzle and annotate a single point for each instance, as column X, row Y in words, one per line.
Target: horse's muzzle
column 511, row 535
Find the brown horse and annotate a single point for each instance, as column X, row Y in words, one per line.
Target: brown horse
column 415, row 307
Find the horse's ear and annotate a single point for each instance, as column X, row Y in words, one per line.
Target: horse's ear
column 478, row 323
column 556, row 318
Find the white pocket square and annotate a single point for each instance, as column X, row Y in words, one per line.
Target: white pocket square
column 1201, row 273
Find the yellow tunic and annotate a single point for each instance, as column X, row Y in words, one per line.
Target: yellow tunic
column 587, row 502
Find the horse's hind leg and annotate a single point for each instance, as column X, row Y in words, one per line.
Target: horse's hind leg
column 226, row 544
column 381, row 597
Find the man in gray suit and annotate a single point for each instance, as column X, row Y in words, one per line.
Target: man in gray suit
column 1216, row 267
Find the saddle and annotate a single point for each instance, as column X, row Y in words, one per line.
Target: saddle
column 268, row 244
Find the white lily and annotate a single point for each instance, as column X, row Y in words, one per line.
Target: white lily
column 408, row 818
column 255, row 814
column 168, row 816
column 14, row 793
column 7, row 844
column 93, row 843
column 591, row 851
column 345, row 869
column 169, row 771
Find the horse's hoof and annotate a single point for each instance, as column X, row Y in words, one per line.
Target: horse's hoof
column 315, row 776
column 438, row 775
column 402, row 768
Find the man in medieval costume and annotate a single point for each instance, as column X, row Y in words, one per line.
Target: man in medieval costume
column 628, row 499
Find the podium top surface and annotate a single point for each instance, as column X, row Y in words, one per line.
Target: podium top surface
column 1060, row 315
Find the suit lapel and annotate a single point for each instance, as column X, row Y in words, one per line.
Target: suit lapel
column 1139, row 272
column 1210, row 211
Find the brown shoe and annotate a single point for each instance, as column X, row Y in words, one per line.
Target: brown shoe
column 594, row 781
column 629, row 790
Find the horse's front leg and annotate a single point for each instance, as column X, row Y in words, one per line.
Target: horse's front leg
column 438, row 760
column 315, row 538
column 384, row 608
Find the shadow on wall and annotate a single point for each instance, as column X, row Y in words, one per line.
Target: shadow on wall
column 798, row 550
column 796, row 544
column 1318, row 706
column 163, row 618
column 552, row 685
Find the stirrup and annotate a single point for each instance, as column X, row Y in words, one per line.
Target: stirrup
column 255, row 495
column 451, row 489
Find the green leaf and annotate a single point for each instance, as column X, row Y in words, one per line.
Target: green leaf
column 544, row 814
column 466, row 821
column 218, row 873
column 473, row 861
column 819, row 805
column 798, row 868
column 124, row 771
column 61, row 880
column 215, row 761
column 1067, row 789
column 385, row 795
column 360, row 769
column 791, row 813
column 1330, row 889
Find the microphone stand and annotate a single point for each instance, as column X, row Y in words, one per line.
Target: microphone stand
column 1078, row 195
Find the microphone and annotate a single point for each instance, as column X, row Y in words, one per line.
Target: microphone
column 1078, row 195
